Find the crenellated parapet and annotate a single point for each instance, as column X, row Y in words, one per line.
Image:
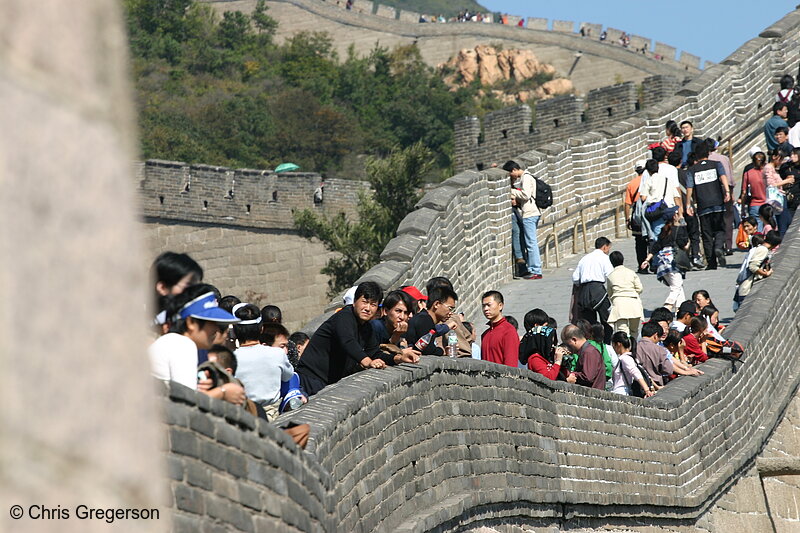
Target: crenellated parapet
column 503, row 134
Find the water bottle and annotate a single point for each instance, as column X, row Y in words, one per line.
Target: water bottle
column 425, row 340
column 452, row 344
column 292, row 397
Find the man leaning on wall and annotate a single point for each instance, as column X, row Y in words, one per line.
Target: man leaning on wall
column 523, row 194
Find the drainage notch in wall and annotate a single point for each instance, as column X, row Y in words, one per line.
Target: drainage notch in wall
column 205, row 205
column 505, row 134
column 274, row 196
column 161, row 199
column 248, row 208
column 555, row 122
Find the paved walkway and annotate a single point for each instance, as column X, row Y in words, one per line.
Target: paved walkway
column 552, row 292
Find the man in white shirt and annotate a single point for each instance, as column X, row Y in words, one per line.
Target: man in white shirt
column 589, row 287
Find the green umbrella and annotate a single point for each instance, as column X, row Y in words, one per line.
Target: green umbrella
column 286, row 167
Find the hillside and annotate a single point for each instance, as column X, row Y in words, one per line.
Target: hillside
column 447, row 8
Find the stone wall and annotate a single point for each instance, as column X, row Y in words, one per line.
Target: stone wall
column 603, row 62
column 245, row 241
column 238, row 197
column 259, row 266
column 505, row 133
column 451, row 445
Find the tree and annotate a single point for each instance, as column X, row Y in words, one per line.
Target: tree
column 358, row 244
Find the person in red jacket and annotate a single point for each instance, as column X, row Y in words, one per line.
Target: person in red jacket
column 537, row 348
column 499, row 343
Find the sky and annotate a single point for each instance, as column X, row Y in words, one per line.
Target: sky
column 710, row 30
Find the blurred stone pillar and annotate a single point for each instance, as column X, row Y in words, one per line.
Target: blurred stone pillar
column 78, row 420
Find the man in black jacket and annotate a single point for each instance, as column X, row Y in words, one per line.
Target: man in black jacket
column 344, row 344
column 689, row 143
column 441, row 305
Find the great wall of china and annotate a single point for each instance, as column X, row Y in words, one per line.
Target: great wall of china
column 448, row 446
column 441, row 446
column 601, row 63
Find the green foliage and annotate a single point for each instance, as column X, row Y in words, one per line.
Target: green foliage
column 217, row 89
column 396, row 180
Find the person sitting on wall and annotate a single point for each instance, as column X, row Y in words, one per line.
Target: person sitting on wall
column 344, row 344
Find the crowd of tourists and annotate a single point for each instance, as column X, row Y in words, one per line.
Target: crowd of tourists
column 683, row 206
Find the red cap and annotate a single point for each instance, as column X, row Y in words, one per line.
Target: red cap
column 414, row 293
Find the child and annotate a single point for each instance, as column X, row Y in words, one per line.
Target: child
column 755, row 267
column 767, row 215
column 694, row 341
column 676, row 347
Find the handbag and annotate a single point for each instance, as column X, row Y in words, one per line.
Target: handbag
column 655, row 211
column 775, row 199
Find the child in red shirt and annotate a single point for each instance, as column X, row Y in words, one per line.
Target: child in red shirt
column 695, row 340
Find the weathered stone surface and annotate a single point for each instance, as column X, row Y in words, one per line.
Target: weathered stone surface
column 73, row 254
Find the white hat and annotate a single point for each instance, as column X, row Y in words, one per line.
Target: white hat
column 752, row 151
column 640, row 163
column 350, row 295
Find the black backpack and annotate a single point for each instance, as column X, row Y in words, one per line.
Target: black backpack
column 544, row 194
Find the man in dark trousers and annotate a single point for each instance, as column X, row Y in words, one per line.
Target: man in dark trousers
column 590, row 370
column 707, row 183
column 589, row 287
column 344, row 344
column 440, row 307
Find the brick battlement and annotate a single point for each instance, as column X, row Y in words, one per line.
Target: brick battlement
column 173, row 190
column 510, row 131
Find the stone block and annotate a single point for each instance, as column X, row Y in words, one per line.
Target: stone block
column 639, row 43
column 401, row 248
column 409, row 16
column 535, row 23
column 183, row 442
column 386, row 11
column 689, row 60
column 189, row 499
column 418, row 222
column 438, row 199
column 198, row 475
column 565, row 26
column 665, row 51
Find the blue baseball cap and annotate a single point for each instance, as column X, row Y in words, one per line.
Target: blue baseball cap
column 205, row 307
